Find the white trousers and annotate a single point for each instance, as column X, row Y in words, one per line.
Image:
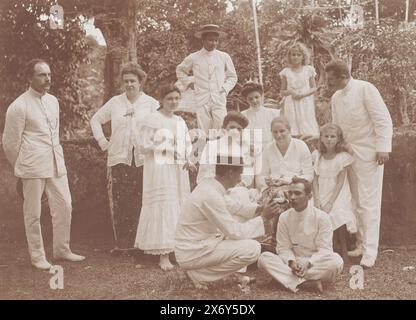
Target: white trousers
column 325, row 269
column 230, row 256
column 367, row 186
column 211, row 116
column 59, row 199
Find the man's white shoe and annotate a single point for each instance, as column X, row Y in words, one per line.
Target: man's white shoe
column 355, row 253
column 367, row 262
column 42, row 265
column 71, row 257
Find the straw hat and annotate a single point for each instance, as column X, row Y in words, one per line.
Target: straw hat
column 210, row 28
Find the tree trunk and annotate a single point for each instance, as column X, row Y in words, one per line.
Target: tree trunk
column 131, row 29
column 402, row 99
column 113, row 59
column 119, row 30
column 321, row 71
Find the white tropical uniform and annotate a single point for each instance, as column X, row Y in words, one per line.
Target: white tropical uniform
column 365, row 121
column 31, row 145
column 165, row 182
column 327, row 171
column 239, row 197
column 210, row 243
column 300, row 113
column 261, row 118
column 213, row 72
column 297, row 161
column 305, row 236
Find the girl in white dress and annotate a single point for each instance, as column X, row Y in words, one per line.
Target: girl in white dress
column 330, row 187
column 259, row 117
column 165, row 142
column 298, row 87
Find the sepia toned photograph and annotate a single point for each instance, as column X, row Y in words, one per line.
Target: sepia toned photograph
column 207, row 150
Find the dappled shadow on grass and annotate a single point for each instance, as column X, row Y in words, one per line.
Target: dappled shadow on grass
column 107, row 276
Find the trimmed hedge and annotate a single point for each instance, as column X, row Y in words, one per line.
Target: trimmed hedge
column 87, row 172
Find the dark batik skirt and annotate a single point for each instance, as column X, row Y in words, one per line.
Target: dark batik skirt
column 125, row 185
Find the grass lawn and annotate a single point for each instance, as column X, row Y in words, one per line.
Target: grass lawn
column 104, row 276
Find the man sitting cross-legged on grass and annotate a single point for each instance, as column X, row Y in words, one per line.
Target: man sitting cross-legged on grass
column 304, row 244
column 210, row 243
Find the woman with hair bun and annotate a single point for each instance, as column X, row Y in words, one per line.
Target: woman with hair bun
column 125, row 112
column 259, row 117
column 166, row 144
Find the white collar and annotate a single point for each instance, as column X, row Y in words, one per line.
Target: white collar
column 348, row 86
column 35, row 93
column 209, row 53
column 307, row 221
column 257, row 109
column 139, row 97
column 288, row 148
column 305, row 211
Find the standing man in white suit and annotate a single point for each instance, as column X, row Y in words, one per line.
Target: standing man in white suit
column 31, row 145
column 214, row 76
column 359, row 109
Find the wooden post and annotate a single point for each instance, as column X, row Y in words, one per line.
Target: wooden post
column 256, row 30
column 377, row 13
column 340, row 10
column 407, row 13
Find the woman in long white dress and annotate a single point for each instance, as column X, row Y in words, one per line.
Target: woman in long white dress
column 165, row 143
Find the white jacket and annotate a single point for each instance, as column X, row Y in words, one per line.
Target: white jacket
column 31, row 136
column 212, row 71
column 364, row 119
column 126, row 121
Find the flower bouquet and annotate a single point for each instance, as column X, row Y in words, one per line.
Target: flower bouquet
column 275, row 191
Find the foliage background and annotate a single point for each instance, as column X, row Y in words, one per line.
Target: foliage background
column 85, row 75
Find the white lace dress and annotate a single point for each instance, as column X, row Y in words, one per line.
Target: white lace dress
column 327, row 171
column 165, row 185
column 300, row 113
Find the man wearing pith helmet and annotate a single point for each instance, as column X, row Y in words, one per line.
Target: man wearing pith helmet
column 214, row 76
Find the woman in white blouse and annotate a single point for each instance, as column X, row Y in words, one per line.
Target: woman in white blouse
column 125, row 160
column 286, row 158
